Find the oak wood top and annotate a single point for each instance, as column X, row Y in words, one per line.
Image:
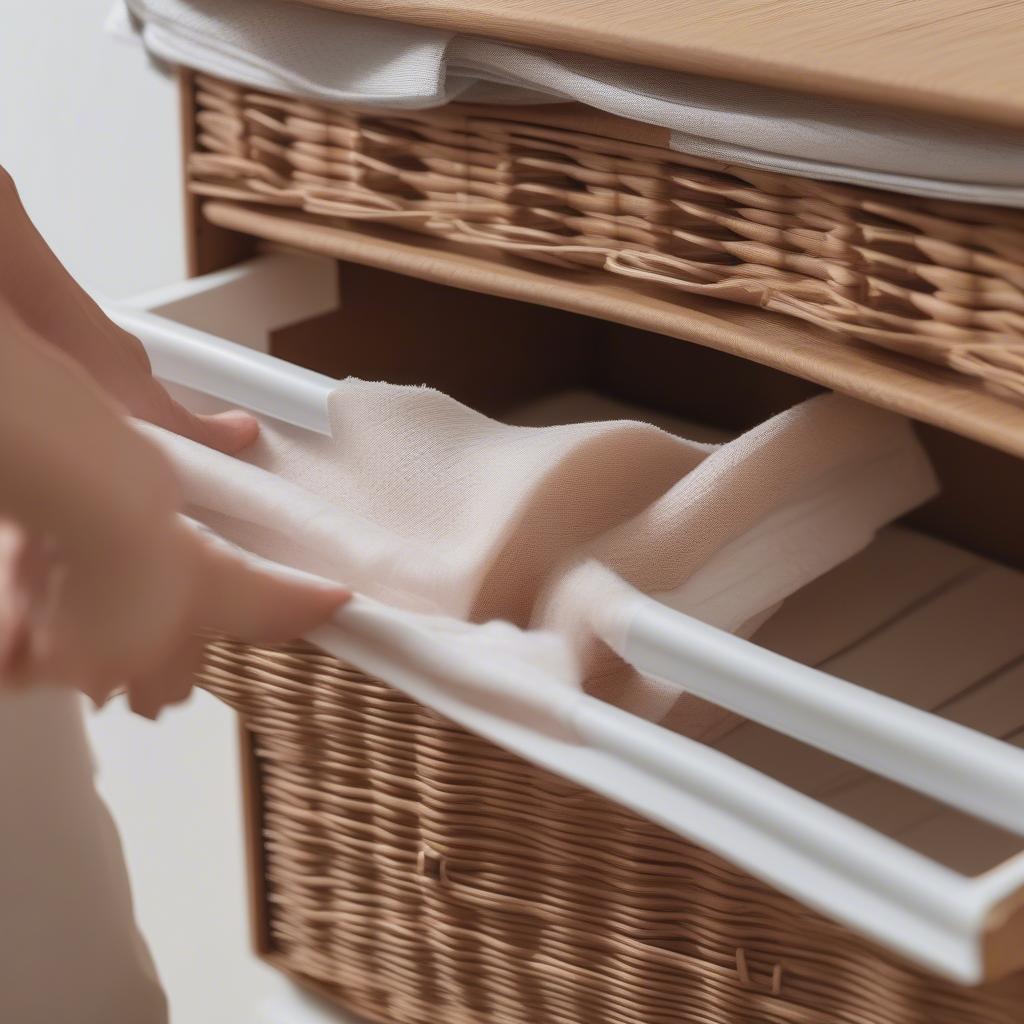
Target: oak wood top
column 955, row 57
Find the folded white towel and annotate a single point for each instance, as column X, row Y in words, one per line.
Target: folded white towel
column 336, row 57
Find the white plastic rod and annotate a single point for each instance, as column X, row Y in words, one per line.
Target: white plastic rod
column 246, row 302
column 959, row 766
column 1003, row 882
column 234, row 373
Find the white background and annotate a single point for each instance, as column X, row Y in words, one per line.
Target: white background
column 90, row 132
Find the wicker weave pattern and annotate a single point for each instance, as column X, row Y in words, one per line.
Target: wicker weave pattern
column 424, row 875
column 934, row 279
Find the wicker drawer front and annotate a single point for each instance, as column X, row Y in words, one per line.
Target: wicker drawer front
column 416, row 873
column 932, row 279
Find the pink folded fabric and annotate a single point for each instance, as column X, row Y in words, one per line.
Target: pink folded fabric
column 419, row 501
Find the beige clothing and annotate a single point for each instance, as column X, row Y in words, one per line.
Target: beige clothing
column 70, row 951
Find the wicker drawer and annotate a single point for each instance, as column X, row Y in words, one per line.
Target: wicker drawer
column 911, row 303
column 413, row 871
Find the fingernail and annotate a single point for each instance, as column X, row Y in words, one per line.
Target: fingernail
column 241, row 428
column 338, row 595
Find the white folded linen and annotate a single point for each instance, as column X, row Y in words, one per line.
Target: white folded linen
column 336, row 57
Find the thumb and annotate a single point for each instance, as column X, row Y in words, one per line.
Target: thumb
column 228, row 432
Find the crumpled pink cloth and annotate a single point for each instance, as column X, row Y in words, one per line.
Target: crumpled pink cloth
column 428, row 505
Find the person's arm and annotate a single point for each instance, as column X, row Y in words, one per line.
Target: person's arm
column 101, row 582
column 36, row 287
column 105, row 584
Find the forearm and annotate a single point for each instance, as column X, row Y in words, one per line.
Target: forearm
column 33, row 282
column 44, row 296
column 131, row 583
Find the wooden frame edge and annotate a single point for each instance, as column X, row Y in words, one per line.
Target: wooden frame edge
column 252, row 831
column 207, row 247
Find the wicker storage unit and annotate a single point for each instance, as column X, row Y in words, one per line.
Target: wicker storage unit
column 933, row 279
column 418, row 874
column 409, row 870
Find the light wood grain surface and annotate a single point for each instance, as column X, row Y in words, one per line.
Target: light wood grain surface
column 957, row 57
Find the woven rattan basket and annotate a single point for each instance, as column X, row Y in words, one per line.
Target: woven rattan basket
column 933, row 279
column 415, row 873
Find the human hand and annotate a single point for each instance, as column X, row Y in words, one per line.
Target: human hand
column 101, row 581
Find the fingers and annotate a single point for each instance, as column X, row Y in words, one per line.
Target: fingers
column 15, row 600
column 233, row 595
column 132, row 620
column 171, row 683
column 118, row 363
column 228, row 432
column 148, row 694
column 254, row 603
column 98, row 688
column 26, row 570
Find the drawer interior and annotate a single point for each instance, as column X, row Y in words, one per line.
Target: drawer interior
column 495, row 354
column 932, row 625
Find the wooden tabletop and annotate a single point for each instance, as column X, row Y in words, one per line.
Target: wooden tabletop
column 957, row 57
